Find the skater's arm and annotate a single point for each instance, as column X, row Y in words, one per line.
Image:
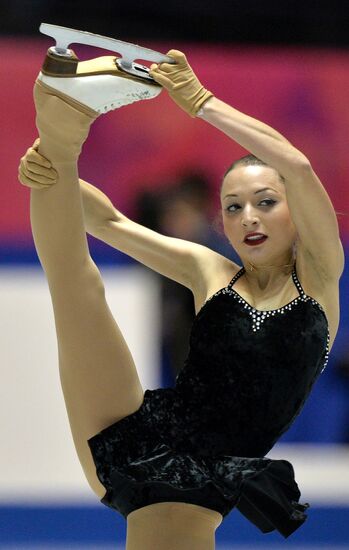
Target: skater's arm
column 257, row 137
column 310, row 205
column 190, row 264
column 185, row 262
column 97, row 207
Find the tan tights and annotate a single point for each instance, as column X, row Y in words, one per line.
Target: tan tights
column 98, row 376
column 99, row 379
column 172, row 526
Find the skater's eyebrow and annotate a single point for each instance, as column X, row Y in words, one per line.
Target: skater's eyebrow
column 259, row 191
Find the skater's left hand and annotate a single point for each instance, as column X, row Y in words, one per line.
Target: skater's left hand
column 181, row 83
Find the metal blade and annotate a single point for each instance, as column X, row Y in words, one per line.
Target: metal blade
column 129, row 52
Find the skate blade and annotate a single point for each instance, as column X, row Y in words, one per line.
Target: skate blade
column 129, row 52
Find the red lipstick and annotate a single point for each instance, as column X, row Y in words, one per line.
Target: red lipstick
column 258, row 238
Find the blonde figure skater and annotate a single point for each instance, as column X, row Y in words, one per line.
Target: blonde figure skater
column 175, row 461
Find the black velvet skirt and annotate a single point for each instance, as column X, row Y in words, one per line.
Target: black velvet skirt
column 138, row 465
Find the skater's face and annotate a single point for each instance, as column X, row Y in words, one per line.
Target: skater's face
column 253, row 210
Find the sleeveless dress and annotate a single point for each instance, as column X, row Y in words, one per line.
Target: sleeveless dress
column 245, row 380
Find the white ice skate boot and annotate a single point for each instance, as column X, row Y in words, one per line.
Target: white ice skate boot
column 104, row 83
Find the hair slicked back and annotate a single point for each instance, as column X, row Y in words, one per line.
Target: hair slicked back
column 250, row 160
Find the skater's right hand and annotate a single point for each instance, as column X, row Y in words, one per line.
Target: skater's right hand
column 36, row 171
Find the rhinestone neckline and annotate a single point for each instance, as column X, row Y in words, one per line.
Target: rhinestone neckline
column 302, row 294
column 230, row 290
column 263, row 310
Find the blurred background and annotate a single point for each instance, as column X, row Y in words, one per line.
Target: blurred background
column 286, row 64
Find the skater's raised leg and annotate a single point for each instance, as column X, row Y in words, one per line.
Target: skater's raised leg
column 98, row 375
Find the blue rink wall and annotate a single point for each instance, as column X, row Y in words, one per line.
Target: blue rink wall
column 93, row 526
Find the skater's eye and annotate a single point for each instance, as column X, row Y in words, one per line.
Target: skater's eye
column 269, row 201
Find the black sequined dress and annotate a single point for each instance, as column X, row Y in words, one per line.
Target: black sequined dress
column 246, row 379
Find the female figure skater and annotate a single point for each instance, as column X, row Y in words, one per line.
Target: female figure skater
column 176, row 461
